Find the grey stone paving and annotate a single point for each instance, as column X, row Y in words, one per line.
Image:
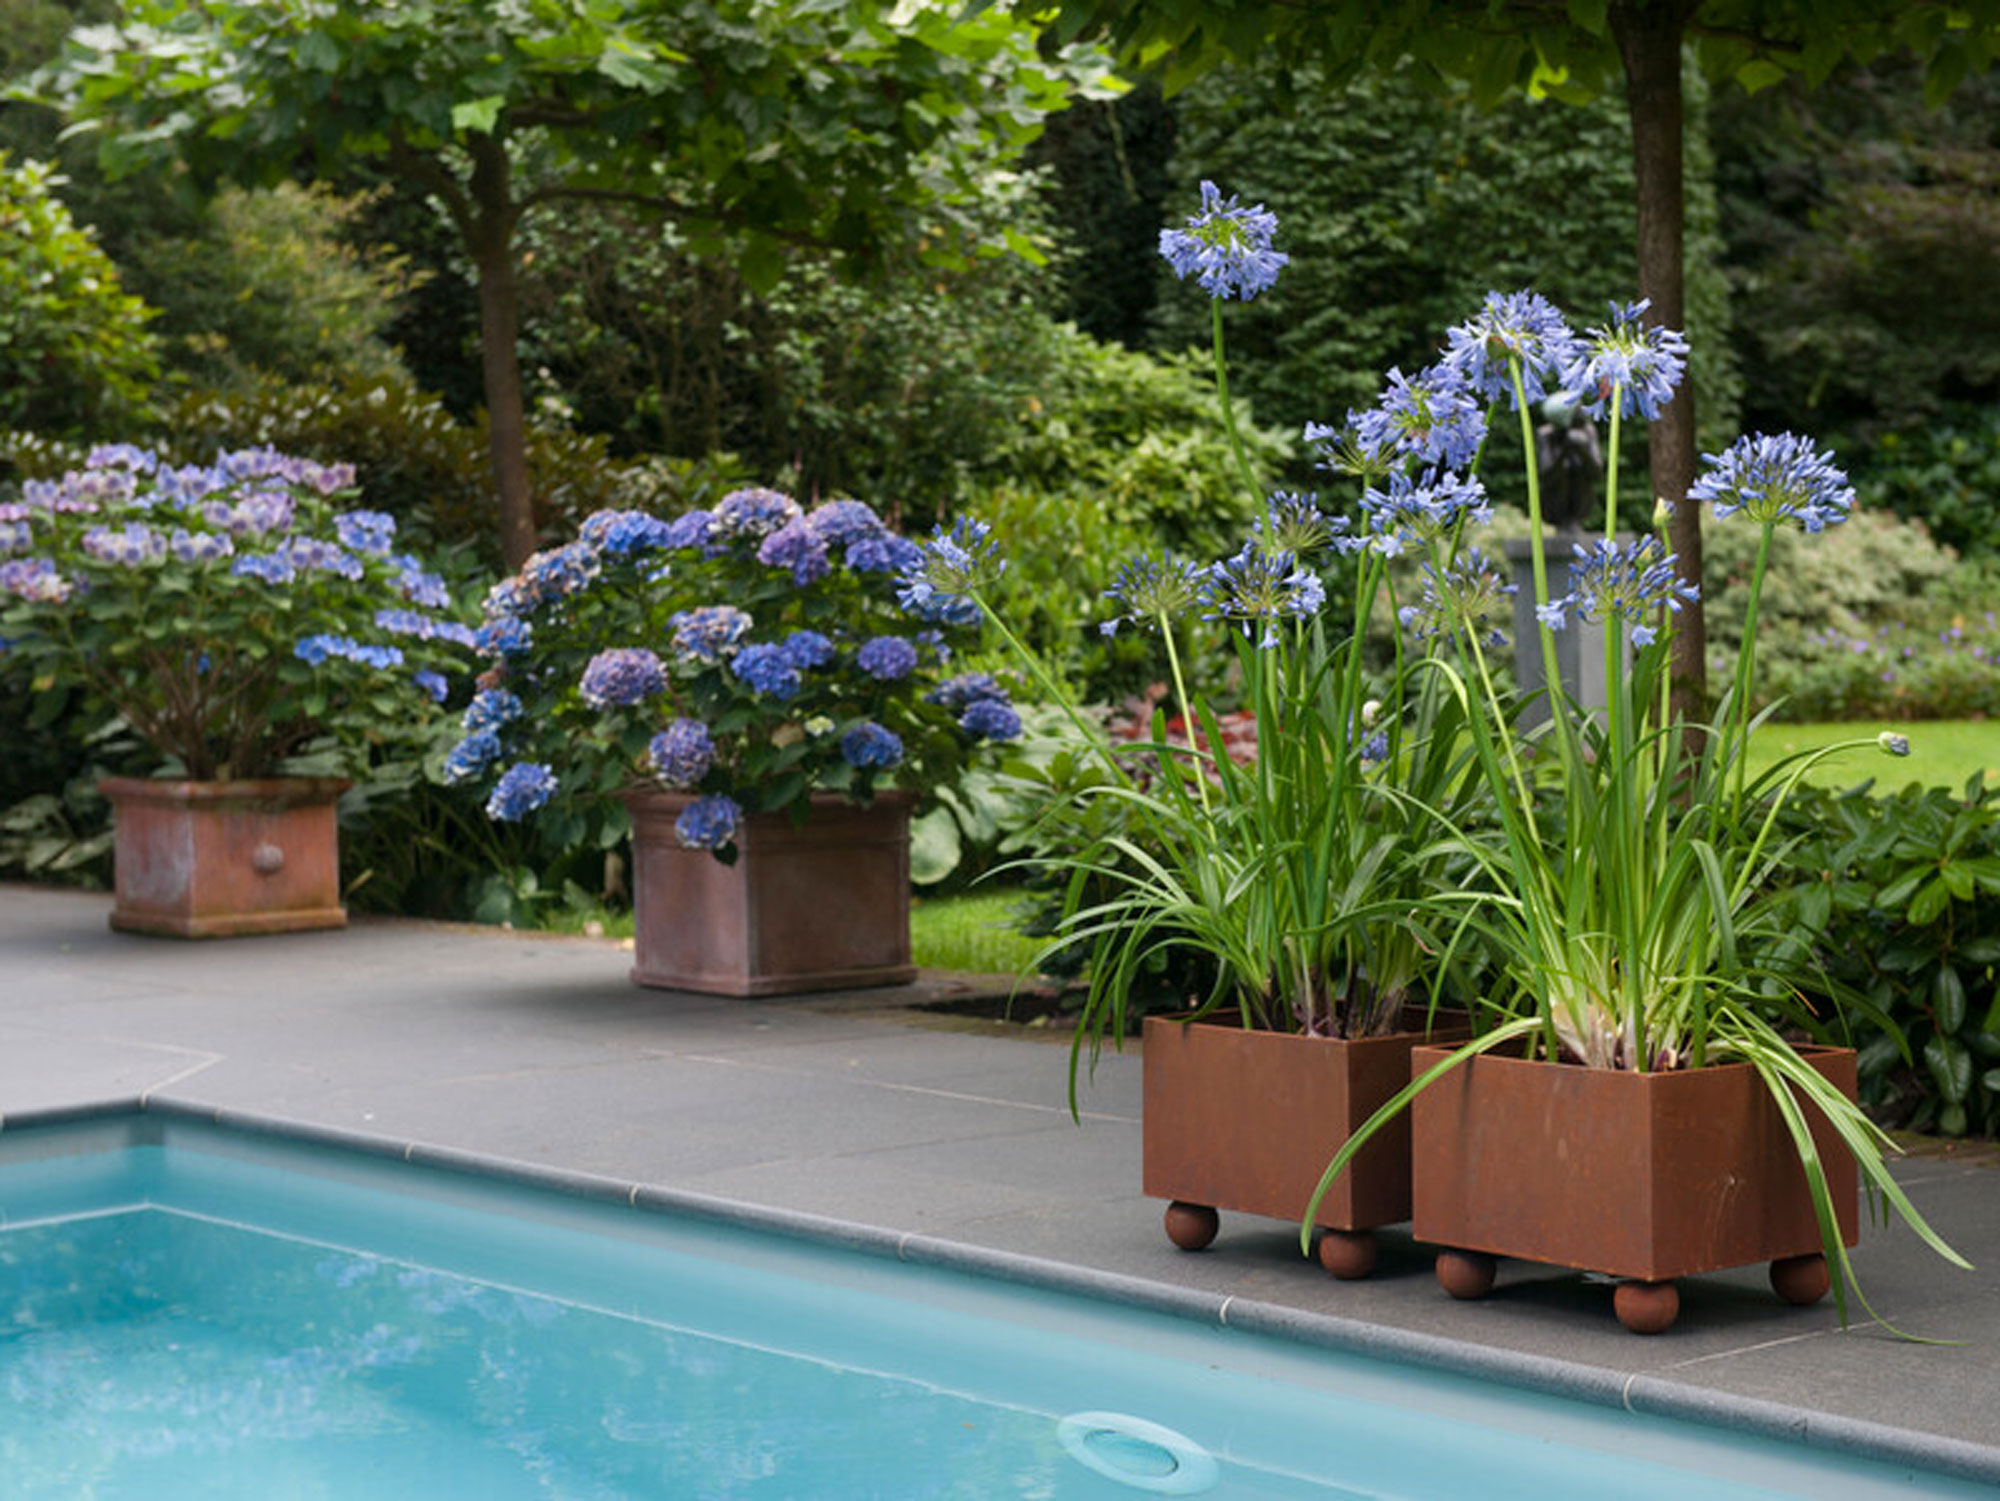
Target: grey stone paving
column 858, row 1107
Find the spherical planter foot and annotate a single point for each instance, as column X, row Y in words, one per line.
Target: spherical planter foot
column 1801, row 1280
column 1191, row 1226
column 1466, row 1274
column 1347, row 1254
column 1647, row 1307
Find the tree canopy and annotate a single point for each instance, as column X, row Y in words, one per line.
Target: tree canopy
column 754, row 124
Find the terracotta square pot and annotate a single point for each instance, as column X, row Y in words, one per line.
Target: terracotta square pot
column 1647, row 1176
column 222, row 859
column 824, row 905
column 1248, row 1120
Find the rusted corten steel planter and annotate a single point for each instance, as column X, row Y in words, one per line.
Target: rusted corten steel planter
column 1248, row 1120
column 1647, row 1177
column 824, row 905
column 223, row 859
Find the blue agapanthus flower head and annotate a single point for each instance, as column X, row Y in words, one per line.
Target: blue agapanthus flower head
column 1434, row 418
column 1630, row 582
column 522, row 788
column 1512, row 328
column 938, row 583
column 1639, row 364
column 1470, row 597
column 870, row 747
column 708, row 823
column 1226, row 247
column 682, row 753
column 1421, row 510
column 621, row 677
column 1772, row 479
column 1153, row 590
column 1257, row 589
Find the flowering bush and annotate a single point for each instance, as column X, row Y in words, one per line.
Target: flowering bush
column 751, row 654
column 235, row 614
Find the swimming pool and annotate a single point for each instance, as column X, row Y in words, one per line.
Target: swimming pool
column 194, row 1310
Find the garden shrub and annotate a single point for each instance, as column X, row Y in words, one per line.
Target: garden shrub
column 1944, row 473
column 1899, row 897
column 1871, row 620
column 76, row 357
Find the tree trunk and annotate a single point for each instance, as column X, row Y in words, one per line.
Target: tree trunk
column 1649, row 40
column 490, row 239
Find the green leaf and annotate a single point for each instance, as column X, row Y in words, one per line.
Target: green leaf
column 478, row 115
column 1950, row 1065
column 934, row 847
column 1928, row 905
column 1948, row 999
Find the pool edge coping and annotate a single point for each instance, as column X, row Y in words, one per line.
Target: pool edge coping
column 1639, row 1393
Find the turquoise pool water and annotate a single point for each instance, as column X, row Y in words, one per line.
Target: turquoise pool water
column 219, row 1316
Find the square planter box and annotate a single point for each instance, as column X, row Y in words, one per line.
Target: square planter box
column 824, row 905
column 221, row 859
column 1248, row 1121
column 1642, row 1176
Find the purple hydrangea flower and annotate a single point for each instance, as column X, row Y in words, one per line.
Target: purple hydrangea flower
column 767, row 670
column 1773, row 479
column 682, row 753
column 708, row 823
column 754, row 512
column 887, row 658
column 870, row 747
column 965, row 690
column 839, row 523
column 707, row 635
column 134, row 545
column 16, row 535
column 200, row 547
column 268, row 567
column 795, row 546
column 307, row 554
column 806, row 650
column 990, row 719
column 523, row 787
column 371, row 532
column 884, row 552
column 425, row 590
column 35, row 579
column 691, row 529
column 1226, row 248
column 621, row 677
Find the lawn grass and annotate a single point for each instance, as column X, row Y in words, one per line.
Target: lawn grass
column 1943, row 752
column 972, row 930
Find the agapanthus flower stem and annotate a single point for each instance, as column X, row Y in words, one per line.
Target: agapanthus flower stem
column 1187, row 711
column 1551, row 669
column 1746, row 667
column 1222, row 394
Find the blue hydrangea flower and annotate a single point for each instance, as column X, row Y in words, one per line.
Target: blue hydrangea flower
column 754, row 512
column 35, row 579
column 559, row 573
column 621, row 677
column 990, row 719
column 1510, row 328
column 1642, row 365
column 1261, row 588
column 406, row 623
column 841, row 522
column 1151, row 590
column 316, row 649
column 682, row 753
column 806, row 650
column 968, row 688
column 504, row 637
column 883, row 552
column 454, row 632
column 869, row 747
column 1773, row 479
column 887, row 658
column 617, row 533
column 189, row 547
column 425, row 590
column 522, row 788
column 16, row 534
column 692, row 529
column 376, row 655
column 472, row 755
column 433, row 684
column 270, row 568
column 1227, row 248
column 1435, row 419
column 491, row 708
column 365, row 531
column 708, row 823
column 797, row 547
column 767, row 670
column 309, row 554
column 134, row 545
column 707, row 635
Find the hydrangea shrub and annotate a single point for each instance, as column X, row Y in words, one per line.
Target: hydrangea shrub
column 235, row 613
column 751, row 655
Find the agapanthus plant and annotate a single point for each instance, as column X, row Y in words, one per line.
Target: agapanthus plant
column 1284, row 860
column 1623, row 895
column 235, row 614
column 749, row 655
